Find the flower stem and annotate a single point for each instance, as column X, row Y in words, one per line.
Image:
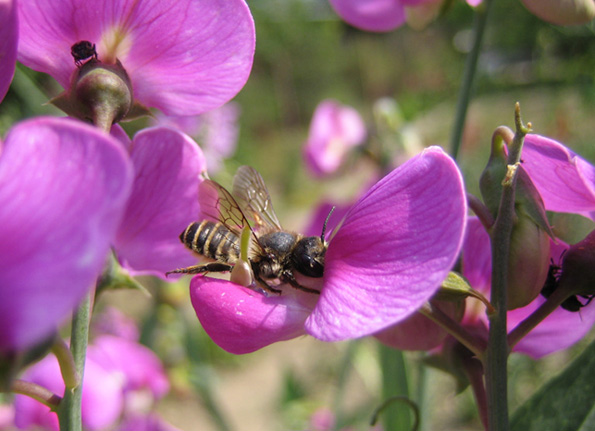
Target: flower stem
column 394, row 383
column 476, row 345
column 67, row 366
column 69, row 411
column 481, row 211
column 556, row 299
column 474, row 372
column 37, row 392
column 479, row 25
column 497, row 353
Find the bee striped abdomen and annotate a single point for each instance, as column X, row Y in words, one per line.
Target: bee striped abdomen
column 212, row 240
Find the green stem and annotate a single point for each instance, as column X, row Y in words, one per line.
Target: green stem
column 497, row 353
column 479, row 25
column 69, row 411
column 67, row 366
column 394, row 383
column 37, row 392
column 344, row 369
column 550, row 305
column 476, row 345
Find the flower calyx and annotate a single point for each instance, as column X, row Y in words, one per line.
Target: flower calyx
column 99, row 93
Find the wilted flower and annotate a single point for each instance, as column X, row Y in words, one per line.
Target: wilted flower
column 8, row 43
column 562, row 12
column 334, row 130
column 183, row 57
column 63, row 189
column 394, row 248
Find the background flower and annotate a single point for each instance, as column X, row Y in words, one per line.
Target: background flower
column 374, row 15
column 334, row 130
column 183, row 57
column 8, row 43
column 63, row 189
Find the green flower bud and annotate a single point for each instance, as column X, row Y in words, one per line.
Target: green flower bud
column 528, row 262
column 99, row 93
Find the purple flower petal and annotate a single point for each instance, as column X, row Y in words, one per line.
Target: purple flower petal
column 558, row 331
column 565, row 181
column 371, row 15
column 335, row 128
column 395, row 247
column 241, row 320
column 140, row 367
column 63, row 189
column 183, row 57
column 101, row 387
column 8, row 43
column 164, row 201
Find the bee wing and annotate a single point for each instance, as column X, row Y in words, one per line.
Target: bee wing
column 217, row 204
column 252, row 195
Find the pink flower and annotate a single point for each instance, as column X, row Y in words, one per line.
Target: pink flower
column 394, row 248
column 334, row 130
column 183, row 57
column 164, row 200
column 216, row 131
column 64, row 186
column 558, row 331
column 8, row 43
column 118, row 373
column 375, row 15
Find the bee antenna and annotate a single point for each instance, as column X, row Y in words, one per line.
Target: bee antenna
column 325, row 222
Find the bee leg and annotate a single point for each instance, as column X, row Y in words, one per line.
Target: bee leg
column 202, row 269
column 265, row 285
column 291, row 280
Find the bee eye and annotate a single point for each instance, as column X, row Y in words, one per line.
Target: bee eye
column 308, row 265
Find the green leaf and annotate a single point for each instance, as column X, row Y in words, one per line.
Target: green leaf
column 565, row 403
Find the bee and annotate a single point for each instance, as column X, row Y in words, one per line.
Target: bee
column 275, row 255
column 571, row 303
column 83, row 50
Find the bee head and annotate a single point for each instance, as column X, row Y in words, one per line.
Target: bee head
column 308, row 256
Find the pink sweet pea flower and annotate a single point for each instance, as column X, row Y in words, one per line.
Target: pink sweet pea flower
column 558, row 331
column 183, row 57
column 8, row 43
column 395, row 247
column 63, row 189
column 334, row 130
column 375, row 15
column 565, row 181
column 164, row 200
column 118, row 373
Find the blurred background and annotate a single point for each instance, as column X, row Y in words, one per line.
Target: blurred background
column 404, row 85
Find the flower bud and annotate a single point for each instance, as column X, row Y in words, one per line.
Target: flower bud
column 577, row 276
column 100, row 93
column 562, row 12
column 528, row 261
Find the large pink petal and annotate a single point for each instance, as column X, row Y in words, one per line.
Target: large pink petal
column 396, row 246
column 241, row 320
column 164, row 201
column 565, row 181
column 183, row 57
column 63, row 188
column 8, row 43
column 371, row 15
